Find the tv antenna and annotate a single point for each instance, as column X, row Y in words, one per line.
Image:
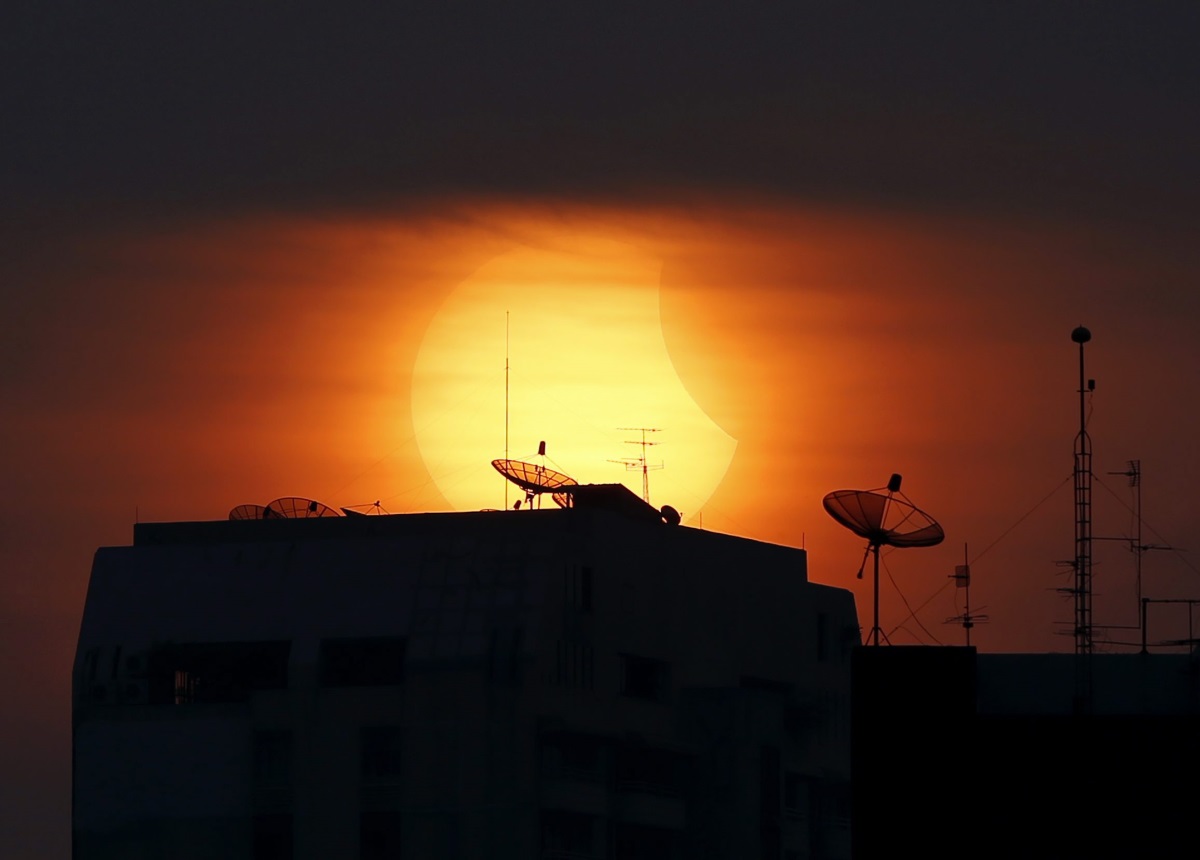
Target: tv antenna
column 1134, row 474
column 885, row 517
column 535, row 479
column 640, row 464
column 962, row 579
column 1082, row 587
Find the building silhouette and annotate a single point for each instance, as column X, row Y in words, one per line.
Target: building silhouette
column 961, row 754
column 584, row 682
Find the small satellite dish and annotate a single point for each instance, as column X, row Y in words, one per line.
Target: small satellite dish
column 885, row 517
column 671, row 516
column 298, row 508
column 248, row 512
column 375, row 509
column 535, row 479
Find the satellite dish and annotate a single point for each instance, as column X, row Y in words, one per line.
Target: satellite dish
column 562, row 499
column 535, row 479
column 248, row 512
column 375, row 509
column 885, row 517
column 298, row 508
column 671, row 516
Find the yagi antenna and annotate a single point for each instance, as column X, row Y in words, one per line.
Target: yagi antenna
column 639, row 464
column 962, row 579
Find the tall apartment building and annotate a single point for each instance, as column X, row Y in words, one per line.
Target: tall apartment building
column 585, row 682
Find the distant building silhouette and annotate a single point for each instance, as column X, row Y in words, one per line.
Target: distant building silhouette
column 588, row 682
column 959, row 754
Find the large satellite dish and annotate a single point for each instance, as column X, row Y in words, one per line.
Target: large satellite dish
column 297, row 508
column 885, row 517
column 248, row 512
column 535, row 479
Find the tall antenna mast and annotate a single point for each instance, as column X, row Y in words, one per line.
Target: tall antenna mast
column 1082, row 589
column 640, row 463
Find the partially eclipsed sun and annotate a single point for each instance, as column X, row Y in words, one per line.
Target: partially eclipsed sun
column 579, row 327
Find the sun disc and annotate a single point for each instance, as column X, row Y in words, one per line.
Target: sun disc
column 578, row 327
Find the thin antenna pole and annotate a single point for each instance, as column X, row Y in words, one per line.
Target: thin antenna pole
column 875, row 631
column 506, row 403
column 893, row 487
column 962, row 579
column 1134, row 474
column 1135, row 469
column 967, row 596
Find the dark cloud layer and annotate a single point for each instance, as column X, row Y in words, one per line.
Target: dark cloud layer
column 1061, row 107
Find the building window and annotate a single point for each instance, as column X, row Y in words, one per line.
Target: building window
column 208, row 672
column 643, row 842
column 573, row 667
column 566, row 835
column 572, row 756
column 822, row 636
column 272, row 758
column 753, row 682
column 841, row 807
column 644, row 678
column 382, row 751
column 650, row 771
column 505, row 655
column 379, row 834
column 850, row 640
column 373, row 662
column 273, row 837
column 795, row 796
column 577, row 587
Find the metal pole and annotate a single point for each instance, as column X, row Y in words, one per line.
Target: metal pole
column 1145, row 602
column 967, row 596
column 875, row 630
column 506, row 403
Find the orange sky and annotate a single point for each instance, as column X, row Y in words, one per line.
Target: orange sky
column 174, row 371
column 222, row 363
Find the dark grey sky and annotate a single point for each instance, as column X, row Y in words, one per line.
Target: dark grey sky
column 1049, row 107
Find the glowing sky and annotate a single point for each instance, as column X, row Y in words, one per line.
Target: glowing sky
column 240, row 252
column 579, row 321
